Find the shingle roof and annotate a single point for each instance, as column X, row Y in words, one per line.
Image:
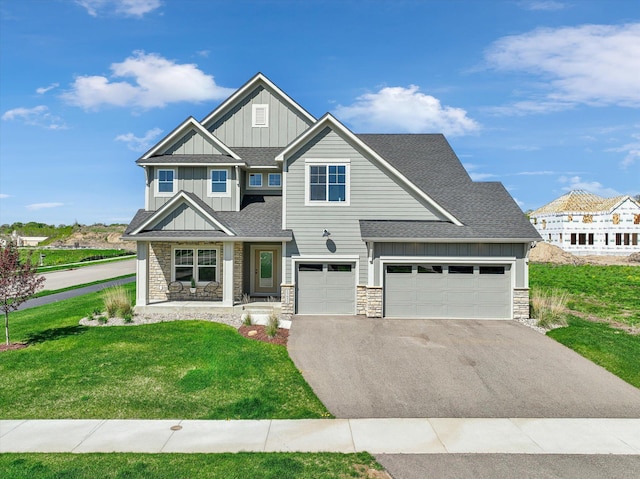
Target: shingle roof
column 258, row 156
column 579, row 201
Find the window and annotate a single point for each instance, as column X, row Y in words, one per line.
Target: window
column 460, row 269
column 429, row 269
column 606, row 239
column 590, row 238
column 634, row 239
column 574, row 238
column 618, row 239
column 582, row 238
column 397, row 268
column 310, row 267
column 198, row 264
column 626, row 239
column 165, row 181
column 345, row 268
column 275, row 180
column 255, row 180
column 491, row 269
column 218, row 182
column 327, row 183
column 260, row 116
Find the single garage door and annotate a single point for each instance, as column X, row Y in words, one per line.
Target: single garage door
column 448, row 291
column 326, row 288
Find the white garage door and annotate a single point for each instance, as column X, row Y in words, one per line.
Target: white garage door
column 448, row 291
column 326, row 288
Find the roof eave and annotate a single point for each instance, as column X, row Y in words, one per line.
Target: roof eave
column 422, row 239
column 186, row 239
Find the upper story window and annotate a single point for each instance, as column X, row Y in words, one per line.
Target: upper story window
column 255, row 180
column 327, row 182
column 259, row 116
column 218, row 185
column 275, row 180
column 165, row 182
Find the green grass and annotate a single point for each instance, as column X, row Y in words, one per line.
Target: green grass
column 51, row 269
column 613, row 349
column 607, row 292
column 193, row 466
column 182, row 369
column 48, row 292
column 57, row 257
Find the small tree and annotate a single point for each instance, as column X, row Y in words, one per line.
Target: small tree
column 18, row 282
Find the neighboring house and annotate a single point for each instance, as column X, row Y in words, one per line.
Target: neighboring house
column 262, row 199
column 31, row 240
column 583, row 223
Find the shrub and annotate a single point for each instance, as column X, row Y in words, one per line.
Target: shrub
column 128, row 317
column 248, row 320
column 117, row 301
column 549, row 307
column 272, row 325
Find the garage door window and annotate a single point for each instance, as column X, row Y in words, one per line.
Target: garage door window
column 430, row 269
column 399, row 268
column 491, row 269
column 460, row 269
column 310, row 267
column 340, row 267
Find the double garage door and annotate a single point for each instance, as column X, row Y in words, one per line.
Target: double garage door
column 447, row 291
column 326, row 288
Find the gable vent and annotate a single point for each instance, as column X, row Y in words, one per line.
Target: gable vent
column 260, row 116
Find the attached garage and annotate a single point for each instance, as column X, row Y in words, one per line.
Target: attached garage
column 326, row 288
column 456, row 291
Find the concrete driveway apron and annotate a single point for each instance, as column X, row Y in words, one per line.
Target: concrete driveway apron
column 367, row 368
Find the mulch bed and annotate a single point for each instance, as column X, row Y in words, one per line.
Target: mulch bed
column 12, row 346
column 280, row 338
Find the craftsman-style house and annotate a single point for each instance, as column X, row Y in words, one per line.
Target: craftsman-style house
column 260, row 198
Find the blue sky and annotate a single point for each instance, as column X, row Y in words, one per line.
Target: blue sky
column 542, row 95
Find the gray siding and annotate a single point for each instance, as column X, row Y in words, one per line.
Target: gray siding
column 244, row 176
column 285, row 124
column 374, row 195
column 184, row 218
column 193, row 143
column 458, row 250
column 194, row 179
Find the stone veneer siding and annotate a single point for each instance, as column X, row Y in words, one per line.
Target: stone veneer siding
column 374, row 301
column 287, row 300
column 361, row 300
column 160, row 272
column 521, row 303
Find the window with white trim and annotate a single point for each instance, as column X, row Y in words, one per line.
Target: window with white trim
column 260, row 115
column 274, row 180
column 165, row 182
column 255, row 180
column 199, row 264
column 327, row 183
column 218, row 182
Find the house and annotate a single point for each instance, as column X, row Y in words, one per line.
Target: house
column 583, row 223
column 31, row 240
column 261, row 198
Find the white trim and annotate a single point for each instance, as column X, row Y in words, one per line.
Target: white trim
column 252, row 266
column 285, row 168
column 227, row 271
column 180, row 130
column 177, row 164
column 308, row 162
column 329, row 120
column 173, row 202
column 147, row 188
column 284, row 262
column 255, row 107
column 218, row 194
column 156, row 187
column 247, row 88
column 371, row 276
column 269, row 178
column 195, row 249
column 237, row 185
column 142, row 273
column 249, row 185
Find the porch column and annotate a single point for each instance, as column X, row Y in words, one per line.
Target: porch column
column 227, row 268
column 142, row 276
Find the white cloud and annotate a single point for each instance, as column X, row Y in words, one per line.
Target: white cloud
column 577, row 183
column 128, row 8
column 476, row 175
column 394, row 109
column 535, row 173
column 523, row 148
column 43, row 90
column 588, row 64
column 36, row 116
column 545, row 5
column 632, row 150
column 203, row 53
column 136, row 143
column 4, row 195
column 40, row 206
column 156, row 82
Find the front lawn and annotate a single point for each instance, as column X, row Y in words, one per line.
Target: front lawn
column 56, row 257
column 193, row 466
column 181, row 369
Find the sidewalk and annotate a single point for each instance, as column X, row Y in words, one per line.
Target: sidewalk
column 377, row 436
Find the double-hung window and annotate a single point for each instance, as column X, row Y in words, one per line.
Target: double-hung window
column 327, row 183
column 165, row 182
column 218, row 182
column 199, row 264
column 255, row 180
column 275, row 180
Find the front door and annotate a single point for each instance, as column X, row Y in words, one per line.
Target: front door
column 266, row 277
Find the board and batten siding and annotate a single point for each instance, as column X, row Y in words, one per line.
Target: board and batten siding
column 184, row 218
column 285, row 124
column 456, row 250
column 373, row 195
column 194, row 179
column 193, row 143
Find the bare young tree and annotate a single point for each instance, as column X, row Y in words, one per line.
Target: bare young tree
column 18, row 282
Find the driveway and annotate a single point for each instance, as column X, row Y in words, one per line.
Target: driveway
column 362, row 368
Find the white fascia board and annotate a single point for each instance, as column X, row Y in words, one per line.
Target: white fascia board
column 330, row 121
column 190, row 122
column 210, row 165
column 247, row 88
column 209, row 239
column 173, row 202
column 450, row 240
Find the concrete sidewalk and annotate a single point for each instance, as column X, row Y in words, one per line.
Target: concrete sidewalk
column 377, row 436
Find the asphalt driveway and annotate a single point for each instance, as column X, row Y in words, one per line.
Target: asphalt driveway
column 362, row 368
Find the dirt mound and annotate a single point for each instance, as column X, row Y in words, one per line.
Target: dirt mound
column 634, row 258
column 107, row 237
column 547, row 253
